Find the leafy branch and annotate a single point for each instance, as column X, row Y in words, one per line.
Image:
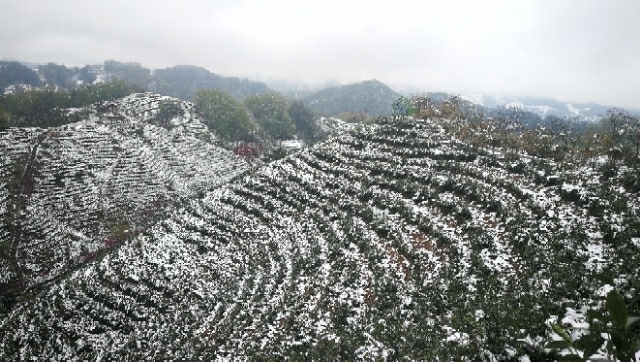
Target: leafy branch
column 614, row 331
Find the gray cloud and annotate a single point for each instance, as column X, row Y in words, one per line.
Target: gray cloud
column 575, row 50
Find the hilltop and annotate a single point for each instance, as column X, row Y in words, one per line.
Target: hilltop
column 390, row 240
column 371, row 97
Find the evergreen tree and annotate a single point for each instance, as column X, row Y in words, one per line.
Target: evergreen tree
column 56, row 75
column 270, row 111
column 4, row 119
column 16, row 73
column 224, row 114
column 304, row 121
column 86, row 75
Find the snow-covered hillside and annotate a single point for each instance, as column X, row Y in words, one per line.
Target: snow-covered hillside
column 389, row 241
column 544, row 106
column 67, row 194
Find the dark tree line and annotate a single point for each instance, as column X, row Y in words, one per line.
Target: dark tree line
column 49, row 107
column 50, row 74
column 16, row 73
column 58, row 75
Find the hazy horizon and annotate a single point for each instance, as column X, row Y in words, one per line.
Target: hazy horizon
column 573, row 51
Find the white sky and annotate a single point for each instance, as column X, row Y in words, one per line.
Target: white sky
column 573, row 50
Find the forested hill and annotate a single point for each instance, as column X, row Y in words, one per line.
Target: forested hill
column 371, row 97
column 12, row 72
column 180, row 81
column 399, row 239
column 183, row 81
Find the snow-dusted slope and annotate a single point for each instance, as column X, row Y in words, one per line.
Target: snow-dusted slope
column 69, row 193
column 392, row 241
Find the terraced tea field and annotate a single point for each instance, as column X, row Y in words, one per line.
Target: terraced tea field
column 393, row 240
column 68, row 194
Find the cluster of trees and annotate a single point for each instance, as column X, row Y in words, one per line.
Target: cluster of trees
column 183, row 81
column 50, row 75
column 58, row 75
column 266, row 115
column 225, row 115
column 16, row 73
column 270, row 111
column 49, row 107
column 133, row 73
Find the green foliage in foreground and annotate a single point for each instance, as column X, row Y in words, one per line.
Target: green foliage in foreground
column 224, row 114
column 620, row 329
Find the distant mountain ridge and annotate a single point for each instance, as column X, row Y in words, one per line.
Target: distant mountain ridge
column 543, row 106
column 181, row 81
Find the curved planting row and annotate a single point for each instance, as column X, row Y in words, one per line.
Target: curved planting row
column 396, row 240
column 68, row 194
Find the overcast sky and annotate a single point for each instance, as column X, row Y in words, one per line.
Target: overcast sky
column 573, row 50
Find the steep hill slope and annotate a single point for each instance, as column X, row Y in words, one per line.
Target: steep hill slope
column 68, row 193
column 371, row 97
column 395, row 240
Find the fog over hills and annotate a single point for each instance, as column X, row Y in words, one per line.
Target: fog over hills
column 370, row 97
column 544, row 106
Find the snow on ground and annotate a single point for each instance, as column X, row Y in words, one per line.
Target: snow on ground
column 386, row 241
